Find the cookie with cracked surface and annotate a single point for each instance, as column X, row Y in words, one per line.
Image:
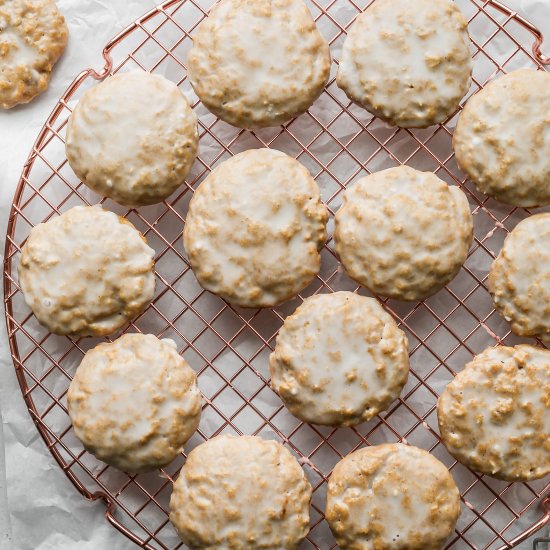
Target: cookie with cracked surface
column 519, row 279
column 254, row 229
column 339, row 360
column 407, row 61
column 240, row 493
column 127, row 147
column 391, row 497
column 33, row 35
column 258, row 63
column 494, row 417
column 134, row 402
column 403, row 233
column 502, row 138
column 87, row 272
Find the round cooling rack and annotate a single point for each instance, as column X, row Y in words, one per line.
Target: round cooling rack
column 228, row 347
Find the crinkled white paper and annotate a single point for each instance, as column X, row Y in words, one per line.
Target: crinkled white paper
column 39, row 508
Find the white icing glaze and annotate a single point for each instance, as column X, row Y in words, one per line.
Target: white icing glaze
column 502, row 139
column 86, row 272
column 134, row 403
column 339, row 360
column 255, row 227
column 407, row 61
column 403, row 233
column 519, row 279
column 18, row 50
column 391, row 497
column 241, row 493
column 126, row 146
column 258, row 63
column 494, row 416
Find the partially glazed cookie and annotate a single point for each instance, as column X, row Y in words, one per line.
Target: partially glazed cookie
column 519, row 279
column 254, row 229
column 86, row 272
column 33, row 35
column 502, row 139
column 240, row 493
column 133, row 138
column 391, row 497
column 258, row 63
column 339, row 360
column 403, row 233
column 407, row 61
column 494, row 417
column 135, row 402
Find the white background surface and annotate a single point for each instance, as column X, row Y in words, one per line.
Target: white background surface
column 39, row 508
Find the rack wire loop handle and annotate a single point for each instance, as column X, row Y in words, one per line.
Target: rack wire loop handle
column 534, row 30
column 537, row 50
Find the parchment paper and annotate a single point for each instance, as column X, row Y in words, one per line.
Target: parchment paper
column 39, row 508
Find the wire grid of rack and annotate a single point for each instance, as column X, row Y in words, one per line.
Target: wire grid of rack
column 228, row 347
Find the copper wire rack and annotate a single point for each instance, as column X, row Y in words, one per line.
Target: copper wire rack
column 228, row 347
